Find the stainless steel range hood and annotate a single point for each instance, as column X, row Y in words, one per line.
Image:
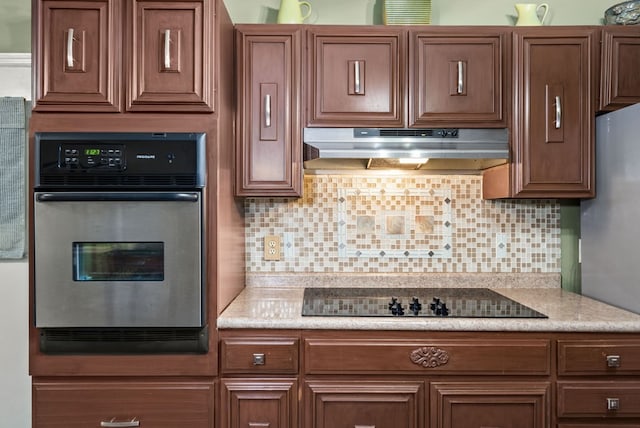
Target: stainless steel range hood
column 385, row 148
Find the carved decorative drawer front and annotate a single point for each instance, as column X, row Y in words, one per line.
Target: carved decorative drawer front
column 599, row 399
column 112, row 404
column 598, row 357
column 466, row 356
column 259, row 355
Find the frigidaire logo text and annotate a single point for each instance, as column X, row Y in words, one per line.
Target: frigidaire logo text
column 145, row 156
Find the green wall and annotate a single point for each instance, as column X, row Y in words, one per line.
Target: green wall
column 15, row 32
column 15, row 26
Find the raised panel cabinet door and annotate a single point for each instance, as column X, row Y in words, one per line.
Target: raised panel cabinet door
column 170, row 55
column 553, row 130
column 356, row 76
column 457, row 78
column 106, row 403
column 77, row 44
column 268, row 155
column 364, row 404
column 482, row 404
column 259, row 403
column 620, row 84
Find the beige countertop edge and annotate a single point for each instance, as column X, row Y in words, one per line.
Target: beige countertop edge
column 280, row 308
column 480, row 280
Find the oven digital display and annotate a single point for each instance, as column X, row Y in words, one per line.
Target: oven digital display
column 91, row 152
column 118, row 261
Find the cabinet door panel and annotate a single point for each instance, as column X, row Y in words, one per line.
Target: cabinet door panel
column 553, row 126
column 171, row 56
column 259, row 403
column 504, row 405
column 620, row 64
column 356, row 78
column 268, row 155
column 76, row 56
column 151, row 404
column 360, row 404
column 457, row 79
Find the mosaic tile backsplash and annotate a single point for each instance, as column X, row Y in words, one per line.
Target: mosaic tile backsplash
column 402, row 224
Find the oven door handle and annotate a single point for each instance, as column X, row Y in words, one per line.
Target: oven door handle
column 118, row 196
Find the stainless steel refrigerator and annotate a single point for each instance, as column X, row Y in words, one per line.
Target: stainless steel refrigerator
column 610, row 223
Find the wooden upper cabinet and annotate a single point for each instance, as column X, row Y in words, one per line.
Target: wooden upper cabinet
column 268, row 151
column 457, row 77
column 553, row 120
column 164, row 50
column 76, row 55
column 356, row 76
column 170, row 56
column 620, row 85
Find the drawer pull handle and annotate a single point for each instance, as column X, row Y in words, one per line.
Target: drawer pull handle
column 613, row 403
column 364, row 426
column 70, row 48
column 614, row 361
column 558, row 121
column 259, row 360
column 356, row 77
column 429, row 357
column 460, row 86
column 267, row 111
column 123, row 424
column 167, row 49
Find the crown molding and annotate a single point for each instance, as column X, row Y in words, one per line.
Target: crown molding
column 15, row 60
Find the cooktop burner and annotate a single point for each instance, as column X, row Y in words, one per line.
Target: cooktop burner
column 413, row 302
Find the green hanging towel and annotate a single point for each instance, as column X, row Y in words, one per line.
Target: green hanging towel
column 12, row 177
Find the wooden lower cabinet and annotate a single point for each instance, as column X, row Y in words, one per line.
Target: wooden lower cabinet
column 259, row 403
column 490, row 404
column 363, row 404
column 122, row 403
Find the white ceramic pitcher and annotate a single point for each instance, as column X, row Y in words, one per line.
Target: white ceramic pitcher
column 291, row 13
column 528, row 13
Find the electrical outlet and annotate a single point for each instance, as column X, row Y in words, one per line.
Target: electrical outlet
column 272, row 247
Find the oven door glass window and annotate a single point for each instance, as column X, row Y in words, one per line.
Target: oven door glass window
column 118, row 261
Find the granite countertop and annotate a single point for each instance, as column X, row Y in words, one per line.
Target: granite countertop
column 272, row 307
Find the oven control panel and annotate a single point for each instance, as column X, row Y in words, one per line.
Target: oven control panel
column 85, row 157
column 119, row 160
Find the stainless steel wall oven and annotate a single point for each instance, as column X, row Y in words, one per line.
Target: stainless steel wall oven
column 119, row 248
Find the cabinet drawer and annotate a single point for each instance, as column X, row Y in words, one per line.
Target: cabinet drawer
column 598, row 357
column 105, row 403
column 456, row 357
column 598, row 399
column 259, row 355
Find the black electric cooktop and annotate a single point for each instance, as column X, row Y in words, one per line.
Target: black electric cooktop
column 413, row 302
